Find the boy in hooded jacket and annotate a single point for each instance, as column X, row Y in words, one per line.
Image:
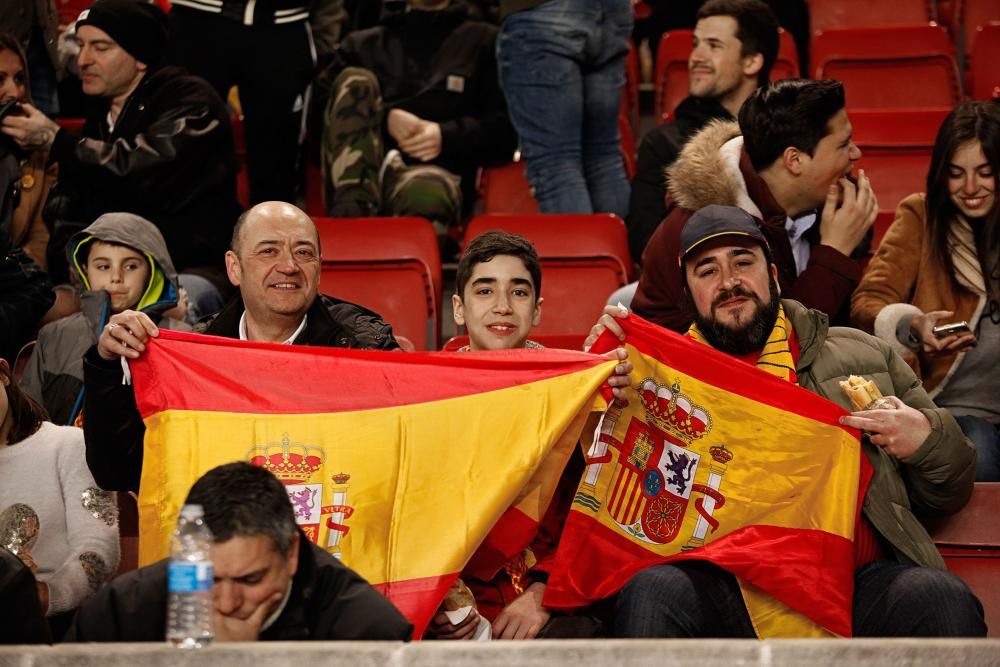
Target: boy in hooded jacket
column 123, row 263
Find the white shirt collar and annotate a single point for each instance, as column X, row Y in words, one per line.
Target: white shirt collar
column 796, row 228
column 289, row 341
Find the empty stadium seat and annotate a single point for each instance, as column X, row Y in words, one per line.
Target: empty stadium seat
column 558, row 341
column 891, row 67
column 671, row 72
column 826, row 14
column 969, row 541
column 973, row 13
column 786, row 65
column 896, row 150
column 390, row 265
column 505, row 189
column 584, row 258
column 630, row 96
column 895, row 173
column 984, row 62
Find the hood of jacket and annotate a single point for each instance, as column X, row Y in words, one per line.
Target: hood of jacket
column 136, row 232
column 708, row 170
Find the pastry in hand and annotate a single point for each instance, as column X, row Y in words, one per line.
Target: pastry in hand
column 864, row 395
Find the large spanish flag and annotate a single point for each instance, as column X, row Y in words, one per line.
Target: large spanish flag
column 712, row 459
column 400, row 464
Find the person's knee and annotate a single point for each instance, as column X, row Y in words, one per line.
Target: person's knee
column 660, row 582
column 951, row 607
column 356, row 81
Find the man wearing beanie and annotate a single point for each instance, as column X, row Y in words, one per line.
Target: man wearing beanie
column 158, row 144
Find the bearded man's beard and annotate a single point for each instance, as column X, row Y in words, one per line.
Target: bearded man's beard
column 747, row 337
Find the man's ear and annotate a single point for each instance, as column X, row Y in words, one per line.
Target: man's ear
column 794, row 160
column 753, row 64
column 141, row 66
column 292, row 557
column 458, row 310
column 233, row 268
column 774, row 277
column 538, row 312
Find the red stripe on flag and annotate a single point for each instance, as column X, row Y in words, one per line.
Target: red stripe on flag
column 595, row 563
column 417, row 599
column 506, row 539
column 211, row 373
column 716, row 368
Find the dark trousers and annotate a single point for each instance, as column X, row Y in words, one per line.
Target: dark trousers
column 272, row 65
column 698, row 599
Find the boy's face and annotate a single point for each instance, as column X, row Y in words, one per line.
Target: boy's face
column 499, row 305
column 120, row 271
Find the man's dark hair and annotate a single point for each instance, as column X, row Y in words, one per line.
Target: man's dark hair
column 488, row 245
column 243, row 500
column 756, row 28
column 791, row 112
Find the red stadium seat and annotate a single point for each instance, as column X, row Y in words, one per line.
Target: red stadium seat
column 584, row 259
column 970, row 544
column 390, row 265
column 558, row 341
column 671, row 76
column 786, row 66
column 505, row 189
column 896, row 148
column 671, row 71
column 984, row 72
column 903, row 66
column 974, row 13
column 630, row 96
column 826, row 14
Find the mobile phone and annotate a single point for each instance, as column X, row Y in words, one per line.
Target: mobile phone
column 11, row 107
column 953, row 328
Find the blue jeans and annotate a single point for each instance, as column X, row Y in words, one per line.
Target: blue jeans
column 698, row 599
column 562, row 69
column 986, row 437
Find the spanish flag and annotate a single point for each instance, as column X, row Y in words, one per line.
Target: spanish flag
column 399, row 464
column 712, row 459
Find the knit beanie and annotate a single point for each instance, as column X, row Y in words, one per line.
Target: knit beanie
column 137, row 26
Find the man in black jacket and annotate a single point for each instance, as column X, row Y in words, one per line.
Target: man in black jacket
column 270, row 582
column 275, row 263
column 158, row 145
column 735, row 46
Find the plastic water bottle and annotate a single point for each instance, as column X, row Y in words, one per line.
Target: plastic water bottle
column 189, row 581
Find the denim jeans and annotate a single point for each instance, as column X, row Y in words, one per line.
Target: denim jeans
column 562, row 69
column 698, row 599
column 986, row 437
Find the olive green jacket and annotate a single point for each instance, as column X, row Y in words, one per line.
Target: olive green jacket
column 937, row 479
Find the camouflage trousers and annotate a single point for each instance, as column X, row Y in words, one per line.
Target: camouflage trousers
column 360, row 180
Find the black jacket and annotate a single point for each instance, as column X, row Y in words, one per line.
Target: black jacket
column 441, row 66
column 328, row 601
column 658, row 150
column 170, row 158
column 112, row 427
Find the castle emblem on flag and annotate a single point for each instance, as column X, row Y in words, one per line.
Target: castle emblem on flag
column 660, row 463
column 300, row 469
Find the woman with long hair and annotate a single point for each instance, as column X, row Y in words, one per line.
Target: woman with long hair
column 938, row 265
column 52, row 515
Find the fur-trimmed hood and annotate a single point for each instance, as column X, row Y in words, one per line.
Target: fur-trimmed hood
column 708, row 170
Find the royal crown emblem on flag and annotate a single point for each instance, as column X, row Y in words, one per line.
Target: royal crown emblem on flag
column 659, row 466
column 300, row 469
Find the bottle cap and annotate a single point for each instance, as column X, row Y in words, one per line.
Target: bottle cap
column 192, row 512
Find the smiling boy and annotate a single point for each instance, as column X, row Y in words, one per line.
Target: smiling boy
column 497, row 292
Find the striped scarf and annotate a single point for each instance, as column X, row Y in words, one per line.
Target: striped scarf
column 776, row 357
